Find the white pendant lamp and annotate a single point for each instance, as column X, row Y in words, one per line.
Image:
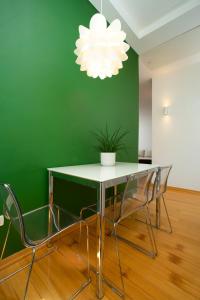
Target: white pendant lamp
column 101, row 49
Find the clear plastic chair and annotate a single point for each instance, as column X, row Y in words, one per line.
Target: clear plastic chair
column 135, row 197
column 36, row 228
column 161, row 182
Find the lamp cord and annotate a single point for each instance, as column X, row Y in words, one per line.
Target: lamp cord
column 101, row 6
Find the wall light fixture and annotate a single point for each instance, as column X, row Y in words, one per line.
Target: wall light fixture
column 165, row 110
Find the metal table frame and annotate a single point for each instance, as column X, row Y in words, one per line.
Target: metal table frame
column 101, row 189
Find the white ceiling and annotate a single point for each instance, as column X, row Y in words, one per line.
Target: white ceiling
column 159, row 30
column 175, row 50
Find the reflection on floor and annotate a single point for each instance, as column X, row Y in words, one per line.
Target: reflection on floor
column 173, row 275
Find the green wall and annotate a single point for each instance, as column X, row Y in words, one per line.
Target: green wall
column 48, row 108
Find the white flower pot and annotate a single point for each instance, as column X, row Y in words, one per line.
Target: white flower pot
column 108, row 158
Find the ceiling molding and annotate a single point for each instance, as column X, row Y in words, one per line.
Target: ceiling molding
column 179, row 64
column 179, row 48
column 174, row 14
column 158, row 23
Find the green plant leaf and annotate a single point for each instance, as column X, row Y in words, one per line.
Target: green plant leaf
column 110, row 142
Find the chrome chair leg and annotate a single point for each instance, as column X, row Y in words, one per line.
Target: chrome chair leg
column 119, row 261
column 29, row 273
column 120, row 292
column 170, row 225
column 150, row 232
column 158, row 213
column 87, row 245
column 89, row 208
column 58, row 217
column 24, row 267
column 5, row 241
column 85, row 284
column 80, row 225
column 88, row 253
column 108, row 282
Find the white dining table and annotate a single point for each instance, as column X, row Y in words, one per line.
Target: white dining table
column 100, row 178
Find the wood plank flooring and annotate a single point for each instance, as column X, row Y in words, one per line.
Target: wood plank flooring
column 173, row 275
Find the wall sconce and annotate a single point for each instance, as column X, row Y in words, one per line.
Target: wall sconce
column 165, row 110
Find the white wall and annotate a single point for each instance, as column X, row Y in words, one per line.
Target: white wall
column 176, row 137
column 145, row 115
column 145, row 108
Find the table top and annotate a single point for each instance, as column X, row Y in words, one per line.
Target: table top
column 98, row 173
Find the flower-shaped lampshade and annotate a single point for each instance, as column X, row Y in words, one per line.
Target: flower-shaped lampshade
column 101, row 49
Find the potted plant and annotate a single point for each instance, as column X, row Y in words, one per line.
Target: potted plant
column 108, row 144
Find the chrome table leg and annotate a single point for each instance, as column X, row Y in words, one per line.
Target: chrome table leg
column 100, row 241
column 50, row 223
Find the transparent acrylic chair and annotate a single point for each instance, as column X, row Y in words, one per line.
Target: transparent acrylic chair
column 161, row 182
column 138, row 193
column 37, row 228
column 135, row 197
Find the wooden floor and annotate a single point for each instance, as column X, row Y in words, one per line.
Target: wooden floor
column 173, row 275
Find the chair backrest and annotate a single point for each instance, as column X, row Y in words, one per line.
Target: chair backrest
column 136, row 193
column 11, row 209
column 163, row 175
